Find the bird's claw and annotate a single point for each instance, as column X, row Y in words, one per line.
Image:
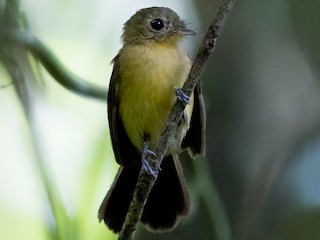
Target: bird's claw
column 182, row 96
column 145, row 163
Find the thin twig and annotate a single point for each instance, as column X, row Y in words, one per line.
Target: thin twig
column 147, row 180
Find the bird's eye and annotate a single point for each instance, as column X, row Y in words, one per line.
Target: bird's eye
column 157, row 24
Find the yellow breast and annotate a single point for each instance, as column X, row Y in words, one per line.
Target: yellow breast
column 149, row 75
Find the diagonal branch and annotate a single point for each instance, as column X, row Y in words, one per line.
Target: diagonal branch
column 147, row 180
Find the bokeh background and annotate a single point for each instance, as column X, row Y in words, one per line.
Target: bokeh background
column 260, row 177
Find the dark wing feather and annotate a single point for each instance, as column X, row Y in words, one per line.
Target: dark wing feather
column 194, row 140
column 124, row 151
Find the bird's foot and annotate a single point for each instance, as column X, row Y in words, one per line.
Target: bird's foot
column 182, row 96
column 145, row 163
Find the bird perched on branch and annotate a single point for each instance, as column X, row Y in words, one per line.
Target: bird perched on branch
column 148, row 74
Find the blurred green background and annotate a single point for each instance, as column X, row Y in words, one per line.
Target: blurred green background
column 260, row 177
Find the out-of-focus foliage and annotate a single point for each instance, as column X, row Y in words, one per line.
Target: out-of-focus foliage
column 14, row 57
column 263, row 98
column 20, row 74
column 305, row 20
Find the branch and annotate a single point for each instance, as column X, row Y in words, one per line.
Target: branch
column 52, row 64
column 147, row 180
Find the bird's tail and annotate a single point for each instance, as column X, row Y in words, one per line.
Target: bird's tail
column 168, row 199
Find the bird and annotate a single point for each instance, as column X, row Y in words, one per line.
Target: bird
column 148, row 74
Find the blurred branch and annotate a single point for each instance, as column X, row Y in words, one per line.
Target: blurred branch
column 146, row 180
column 52, row 64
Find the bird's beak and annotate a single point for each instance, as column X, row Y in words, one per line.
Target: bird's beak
column 186, row 31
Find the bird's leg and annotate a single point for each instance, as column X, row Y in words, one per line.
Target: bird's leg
column 182, row 96
column 145, row 163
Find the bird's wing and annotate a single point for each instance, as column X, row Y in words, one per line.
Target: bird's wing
column 124, row 151
column 194, row 140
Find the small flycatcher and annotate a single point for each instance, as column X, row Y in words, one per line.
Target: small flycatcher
column 147, row 72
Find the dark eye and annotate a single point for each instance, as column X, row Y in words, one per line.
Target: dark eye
column 157, row 24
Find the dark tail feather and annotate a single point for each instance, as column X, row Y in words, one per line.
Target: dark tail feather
column 169, row 197
column 115, row 205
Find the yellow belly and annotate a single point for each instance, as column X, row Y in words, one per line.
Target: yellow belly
column 149, row 76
